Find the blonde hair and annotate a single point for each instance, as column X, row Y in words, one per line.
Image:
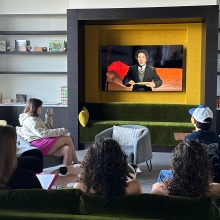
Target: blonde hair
column 8, row 159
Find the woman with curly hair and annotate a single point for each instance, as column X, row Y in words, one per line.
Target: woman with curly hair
column 105, row 169
column 191, row 170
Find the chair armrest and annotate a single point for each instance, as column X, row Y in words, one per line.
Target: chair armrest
column 142, row 147
column 106, row 133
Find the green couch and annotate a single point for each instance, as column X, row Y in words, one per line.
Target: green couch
column 161, row 119
column 73, row 204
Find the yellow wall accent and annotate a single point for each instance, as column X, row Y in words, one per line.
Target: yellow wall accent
column 189, row 35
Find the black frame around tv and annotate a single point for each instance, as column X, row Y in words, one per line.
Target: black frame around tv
column 167, row 59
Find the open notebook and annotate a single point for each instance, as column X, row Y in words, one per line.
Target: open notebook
column 47, row 179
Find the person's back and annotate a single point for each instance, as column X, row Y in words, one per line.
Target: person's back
column 105, row 169
column 210, row 141
column 201, row 118
column 10, row 175
column 23, row 179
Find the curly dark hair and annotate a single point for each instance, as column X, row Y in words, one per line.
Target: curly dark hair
column 141, row 51
column 192, row 172
column 105, row 168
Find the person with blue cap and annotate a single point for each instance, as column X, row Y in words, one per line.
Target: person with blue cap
column 201, row 118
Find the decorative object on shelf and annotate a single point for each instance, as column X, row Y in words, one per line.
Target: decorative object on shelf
column 57, row 46
column 64, row 95
column 44, row 49
column 2, row 45
column 22, row 45
column 38, row 49
column 218, row 102
column 21, row 98
column 29, row 48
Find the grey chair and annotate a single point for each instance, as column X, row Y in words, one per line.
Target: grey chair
column 140, row 151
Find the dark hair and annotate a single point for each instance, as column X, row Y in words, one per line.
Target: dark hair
column 8, row 158
column 32, row 105
column 105, row 168
column 191, row 167
column 204, row 126
column 141, row 51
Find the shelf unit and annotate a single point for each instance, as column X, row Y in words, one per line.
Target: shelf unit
column 36, row 74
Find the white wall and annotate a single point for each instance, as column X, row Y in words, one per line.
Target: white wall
column 46, row 88
column 73, row 4
column 33, row 6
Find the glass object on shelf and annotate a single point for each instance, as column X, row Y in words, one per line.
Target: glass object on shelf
column 64, row 95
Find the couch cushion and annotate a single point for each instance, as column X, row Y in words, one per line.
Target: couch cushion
column 149, row 206
column 83, row 116
column 161, row 132
column 125, row 135
column 139, row 112
column 36, row 200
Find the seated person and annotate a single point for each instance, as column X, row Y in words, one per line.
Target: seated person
column 10, row 175
column 191, row 170
column 201, row 118
column 105, row 169
column 42, row 136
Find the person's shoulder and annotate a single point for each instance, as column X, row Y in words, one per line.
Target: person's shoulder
column 149, row 67
column 133, row 187
column 22, row 172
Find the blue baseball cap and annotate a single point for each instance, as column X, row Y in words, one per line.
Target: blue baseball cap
column 200, row 113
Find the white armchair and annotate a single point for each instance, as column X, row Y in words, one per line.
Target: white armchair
column 139, row 149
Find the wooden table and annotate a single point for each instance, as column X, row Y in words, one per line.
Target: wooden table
column 179, row 136
column 63, row 180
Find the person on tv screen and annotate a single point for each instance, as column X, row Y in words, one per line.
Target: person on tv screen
column 142, row 77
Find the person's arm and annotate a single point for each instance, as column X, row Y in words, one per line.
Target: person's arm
column 159, row 188
column 127, row 81
column 134, row 187
column 36, row 126
column 215, row 188
column 156, row 79
column 49, row 118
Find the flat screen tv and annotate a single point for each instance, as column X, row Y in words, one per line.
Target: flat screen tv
column 168, row 61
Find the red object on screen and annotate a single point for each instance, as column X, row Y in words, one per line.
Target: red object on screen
column 119, row 67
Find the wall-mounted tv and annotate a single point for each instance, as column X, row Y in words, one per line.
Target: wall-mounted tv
column 166, row 62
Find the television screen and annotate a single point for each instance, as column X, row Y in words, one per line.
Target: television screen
column 142, row 68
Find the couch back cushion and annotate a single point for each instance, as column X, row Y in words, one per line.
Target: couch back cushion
column 44, row 201
column 139, row 112
column 149, row 206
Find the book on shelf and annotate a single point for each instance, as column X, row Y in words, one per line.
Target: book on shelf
column 57, row 46
column 22, row 45
column 21, row 98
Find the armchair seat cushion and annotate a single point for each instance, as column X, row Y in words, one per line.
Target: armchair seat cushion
column 125, row 136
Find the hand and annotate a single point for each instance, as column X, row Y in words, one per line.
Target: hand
column 65, row 130
column 150, row 84
column 131, row 82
